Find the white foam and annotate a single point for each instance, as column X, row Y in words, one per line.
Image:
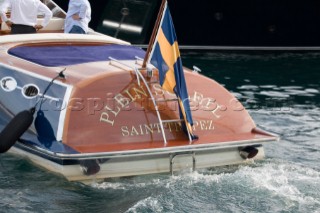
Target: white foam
column 274, row 94
column 148, row 203
column 285, row 180
column 287, row 185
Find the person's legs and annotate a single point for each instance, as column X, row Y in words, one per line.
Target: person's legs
column 77, row 30
column 22, row 29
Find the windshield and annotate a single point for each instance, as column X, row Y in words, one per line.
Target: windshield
column 57, row 12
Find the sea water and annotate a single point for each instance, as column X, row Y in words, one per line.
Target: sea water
column 281, row 92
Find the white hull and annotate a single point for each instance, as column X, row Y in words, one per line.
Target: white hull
column 142, row 165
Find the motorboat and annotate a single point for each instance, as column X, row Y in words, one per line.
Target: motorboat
column 89, row 108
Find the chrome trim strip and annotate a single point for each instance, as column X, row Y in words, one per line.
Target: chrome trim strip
column 251, row 48
column 32, row 74
column 155, row 151
column 63, row 112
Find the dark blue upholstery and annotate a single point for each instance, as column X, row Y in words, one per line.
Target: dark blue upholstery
column 65, row 55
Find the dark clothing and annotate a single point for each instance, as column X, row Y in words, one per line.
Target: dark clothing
column 22, row 29
column 77, row 30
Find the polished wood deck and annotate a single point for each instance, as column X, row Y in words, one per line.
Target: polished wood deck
column 109, row 111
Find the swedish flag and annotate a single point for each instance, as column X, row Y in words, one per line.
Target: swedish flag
column 165, row 56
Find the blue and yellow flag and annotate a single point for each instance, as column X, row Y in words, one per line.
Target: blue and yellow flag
column 165, row 56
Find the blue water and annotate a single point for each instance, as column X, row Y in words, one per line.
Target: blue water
column 282, row 93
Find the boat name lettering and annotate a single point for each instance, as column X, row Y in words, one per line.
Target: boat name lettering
column 121, row 101
column 146, row 129
column 198, row 101
column 138, row 94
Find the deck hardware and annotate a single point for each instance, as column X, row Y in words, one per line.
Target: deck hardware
column 196, row 69
column 248, row 152
column 139, row 75
column 8, row 84
column 149, row 69
column 30, row 91
column 124, row 64
column 89, row 167
column 173, row 155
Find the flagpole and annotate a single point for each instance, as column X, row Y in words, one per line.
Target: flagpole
column 154, row 33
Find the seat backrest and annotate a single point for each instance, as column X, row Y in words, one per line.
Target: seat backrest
column 55, row 25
